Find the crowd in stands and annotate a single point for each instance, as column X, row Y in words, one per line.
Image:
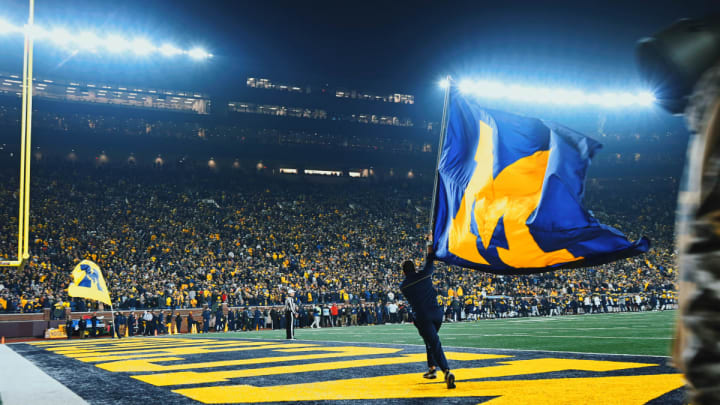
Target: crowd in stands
column 168, row 239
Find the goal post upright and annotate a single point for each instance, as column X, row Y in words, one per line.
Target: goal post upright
column 23, row 248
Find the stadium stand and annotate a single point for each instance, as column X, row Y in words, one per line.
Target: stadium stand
column 171, row 232
column 173, row 239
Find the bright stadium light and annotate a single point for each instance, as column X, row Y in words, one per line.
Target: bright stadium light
column 116, row 43
column 61, row 36
column 170, row 50
column 35, row 31
column 547, row 95
column 646, row 98
column 465, row 86
column 141, row 46
column 7, row 28
column 93, row 42
column 88, row 41
column 199, row 53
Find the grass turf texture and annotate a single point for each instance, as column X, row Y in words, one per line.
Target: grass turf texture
column 638, row 333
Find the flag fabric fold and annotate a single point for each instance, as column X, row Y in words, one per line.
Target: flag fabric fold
column 88, row 282
column 509, row 196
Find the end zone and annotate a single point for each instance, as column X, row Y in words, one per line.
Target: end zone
column 182, row 370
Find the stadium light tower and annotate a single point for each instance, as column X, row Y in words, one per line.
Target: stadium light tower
column 498, row 90
column 89, row 41
column 75, row 42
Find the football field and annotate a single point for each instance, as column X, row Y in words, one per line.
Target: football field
column 603, row 358
column 642, row 333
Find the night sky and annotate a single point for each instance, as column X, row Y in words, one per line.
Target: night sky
column 375, row 46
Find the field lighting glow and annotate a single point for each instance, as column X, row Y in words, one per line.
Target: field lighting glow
column 89, row 41
column 548, row 95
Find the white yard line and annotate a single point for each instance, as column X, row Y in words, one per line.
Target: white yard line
column 528, row 335
column 486, row 349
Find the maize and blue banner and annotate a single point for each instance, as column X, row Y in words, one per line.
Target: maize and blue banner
column 509, row 197
column 88, row 282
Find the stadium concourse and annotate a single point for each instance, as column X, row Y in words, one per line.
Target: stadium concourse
column 189, row 238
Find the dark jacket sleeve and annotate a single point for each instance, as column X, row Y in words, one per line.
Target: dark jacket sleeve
column 429, row 266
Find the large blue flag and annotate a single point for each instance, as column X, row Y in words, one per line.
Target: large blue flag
column 509, row 197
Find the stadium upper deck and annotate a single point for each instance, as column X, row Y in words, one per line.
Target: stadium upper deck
column 282, row 126
column 361, row 130
column 316, row 103
column 104, row 93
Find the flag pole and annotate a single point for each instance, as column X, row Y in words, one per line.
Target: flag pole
column 443, row 131
column 112, row 322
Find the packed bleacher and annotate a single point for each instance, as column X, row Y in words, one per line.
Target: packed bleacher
column 188, row 239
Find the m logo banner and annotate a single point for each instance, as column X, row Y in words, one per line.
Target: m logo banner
column 509, row 197
column 88, row 282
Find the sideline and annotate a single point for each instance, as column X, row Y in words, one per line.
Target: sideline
column 22, row 382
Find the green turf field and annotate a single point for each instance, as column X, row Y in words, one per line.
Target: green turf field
column 642, row 333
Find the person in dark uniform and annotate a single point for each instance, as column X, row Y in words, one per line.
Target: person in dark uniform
column 290, row 313
column 69, row 327
column 422, row 296
column 219, row 320
column 82, row 326
column 131, row 324
column 206, row 320
column 153, row 323
column 93, row 324
column 190, row 322
column 256, row 319
column 246, row 319
column 160, row 324
column 116, row 324
column 178, row 323
column 275, row 319
column 231, row 320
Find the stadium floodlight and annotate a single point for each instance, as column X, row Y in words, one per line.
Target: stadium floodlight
column 547, row 95
column 141, row 46
column 91, row 41
column 199, row 53
column 7, row 28
column 35, row 31
column 88, row 40
column 116, row 43
column 170, row 50
column 61, row 36
column 646, row 98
